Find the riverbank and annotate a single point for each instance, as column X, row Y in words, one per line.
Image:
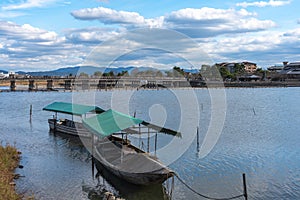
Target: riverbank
column 9, row 161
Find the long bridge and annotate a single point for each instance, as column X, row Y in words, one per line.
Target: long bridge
column 107, row 83
column 72, row 83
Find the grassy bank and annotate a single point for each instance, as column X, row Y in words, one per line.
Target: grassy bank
column 9, row 160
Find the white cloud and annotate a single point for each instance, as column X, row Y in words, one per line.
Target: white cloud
column 24, row 47
column 25, row 32
column 108, row 16
column 29, row 4
column 207, row 22
column 90, row 35
column 208, row 14
column 272, row 3
column 265, row 48
column 9, row 14
column 203, row 22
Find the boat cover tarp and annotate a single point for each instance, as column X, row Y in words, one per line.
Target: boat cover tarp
column 73, row 109
column 111, row 121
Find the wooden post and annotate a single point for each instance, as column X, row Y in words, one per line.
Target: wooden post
column 31, row 85
column 30, row 112
column 198, row 138
column 13, row 85
column 50, row 84
column 245, row 187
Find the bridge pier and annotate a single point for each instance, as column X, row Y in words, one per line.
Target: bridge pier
column 85, row 84
column 68, row 85
column 12, row 85
column 31, row 85
column 50, row 84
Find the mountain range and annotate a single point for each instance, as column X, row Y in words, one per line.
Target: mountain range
column 90, row 70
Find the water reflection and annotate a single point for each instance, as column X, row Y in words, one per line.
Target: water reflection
column 130, row 191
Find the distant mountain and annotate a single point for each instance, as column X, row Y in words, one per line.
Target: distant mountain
column 58, row 72
column 3, row 71
column 90, row 70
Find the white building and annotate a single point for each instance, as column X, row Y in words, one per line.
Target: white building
column 291, row 68
column 3, row 76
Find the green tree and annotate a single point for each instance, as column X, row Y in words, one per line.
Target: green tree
column 111, row 74
column 123, row 73
column 83, row 75
column 225, row 73
column 239, row 68
column 98, row 73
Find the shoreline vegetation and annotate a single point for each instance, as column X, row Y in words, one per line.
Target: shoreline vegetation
column 9, row 161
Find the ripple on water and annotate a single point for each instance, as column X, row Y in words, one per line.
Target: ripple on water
column 260, row 138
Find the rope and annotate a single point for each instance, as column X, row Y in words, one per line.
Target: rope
column 204, row 196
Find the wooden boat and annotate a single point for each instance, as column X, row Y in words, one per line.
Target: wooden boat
column 67, row 126
column 119, row 156
column 116, row 154
column 130, row 163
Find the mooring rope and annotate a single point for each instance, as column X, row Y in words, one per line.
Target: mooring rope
column 204, row 196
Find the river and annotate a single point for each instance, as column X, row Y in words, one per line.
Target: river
column 259, row 137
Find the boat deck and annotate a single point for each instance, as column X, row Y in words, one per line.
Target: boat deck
column 126, row 158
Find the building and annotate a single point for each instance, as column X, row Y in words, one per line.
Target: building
column 229, row 66
column 3, row 76
column 249, row 67
column 275, row 68
column 291, row 70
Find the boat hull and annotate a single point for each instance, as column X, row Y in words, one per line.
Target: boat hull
column 136, row 168
column 70, row 128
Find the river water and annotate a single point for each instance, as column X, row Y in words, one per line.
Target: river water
column 259, row 137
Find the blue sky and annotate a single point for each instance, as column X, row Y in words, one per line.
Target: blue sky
column 50, row 34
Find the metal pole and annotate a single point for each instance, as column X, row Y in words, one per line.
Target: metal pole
column 148, row 141
column 139, row 135
column 155, row 143
column 245, row 187
column 93, row 161
column 55, row 121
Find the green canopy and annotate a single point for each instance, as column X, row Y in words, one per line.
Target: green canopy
column 111, row 121
column 73, row 109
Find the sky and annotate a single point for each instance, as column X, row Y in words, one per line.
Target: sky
column 39, row 35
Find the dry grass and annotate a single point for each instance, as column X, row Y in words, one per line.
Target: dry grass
column 9, row 160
